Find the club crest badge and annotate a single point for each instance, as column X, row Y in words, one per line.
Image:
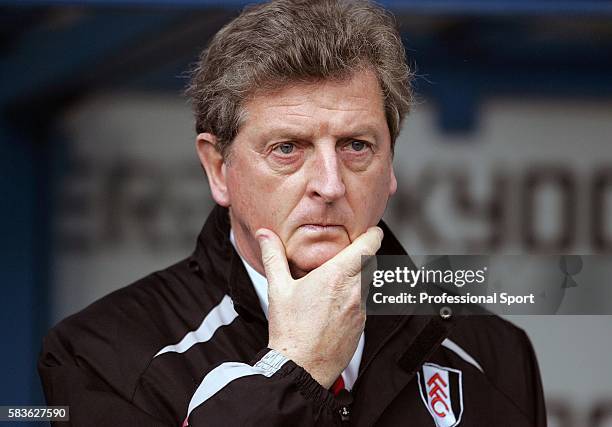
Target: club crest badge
column 442, row 393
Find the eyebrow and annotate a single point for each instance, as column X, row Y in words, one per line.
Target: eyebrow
column 296, row 133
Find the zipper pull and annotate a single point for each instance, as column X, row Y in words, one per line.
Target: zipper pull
column 345, row 414
column 345, row 398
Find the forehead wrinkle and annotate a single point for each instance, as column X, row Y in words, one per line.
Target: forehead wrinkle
column 302, row 124
column 283, row 105
column 343, row 109
column 310, row 102
column 298, row 115
column 339, row 127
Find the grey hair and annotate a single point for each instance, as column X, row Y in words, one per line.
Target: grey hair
column 271, row 45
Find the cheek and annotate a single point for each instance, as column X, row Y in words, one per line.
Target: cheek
column 261, row 198
column 369, row 198
column 244, row 186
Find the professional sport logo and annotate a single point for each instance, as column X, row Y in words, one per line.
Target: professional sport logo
column 442, row 393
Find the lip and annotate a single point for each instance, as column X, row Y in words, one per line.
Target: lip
column 318, row 228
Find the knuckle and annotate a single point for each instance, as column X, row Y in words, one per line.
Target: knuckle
column 268, row 258
column 335, row 276
column 354, row 299
column 361, row 319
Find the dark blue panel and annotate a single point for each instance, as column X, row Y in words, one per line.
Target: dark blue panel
column 46, row 58
column 460, row 7
column 17, row 319
column 30, row 165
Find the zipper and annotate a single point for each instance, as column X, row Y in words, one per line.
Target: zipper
column 345, row 399
column 345, row 414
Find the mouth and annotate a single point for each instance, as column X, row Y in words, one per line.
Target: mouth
column 321, row 228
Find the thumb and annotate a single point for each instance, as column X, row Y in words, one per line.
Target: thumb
column 273, row 257
column 366, row 244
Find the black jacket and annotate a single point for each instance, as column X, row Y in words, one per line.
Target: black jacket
column 188, row 345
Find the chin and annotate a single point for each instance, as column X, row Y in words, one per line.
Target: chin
column 312, row 256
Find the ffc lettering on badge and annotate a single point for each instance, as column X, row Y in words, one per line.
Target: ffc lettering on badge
column 442, row 393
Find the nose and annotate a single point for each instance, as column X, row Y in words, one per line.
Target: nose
column 326, row 182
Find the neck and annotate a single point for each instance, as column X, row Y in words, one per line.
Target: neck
column 246, row 244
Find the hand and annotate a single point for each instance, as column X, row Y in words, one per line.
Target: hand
column 317, row 320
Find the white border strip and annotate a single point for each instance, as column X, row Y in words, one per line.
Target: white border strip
column 227, row 372
column 454, row 347
column 220, row 315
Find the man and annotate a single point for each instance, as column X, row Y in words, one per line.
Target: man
column 298, row 105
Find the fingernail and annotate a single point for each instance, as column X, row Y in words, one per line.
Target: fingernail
column 261, row 235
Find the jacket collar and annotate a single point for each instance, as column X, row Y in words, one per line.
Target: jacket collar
column 218, row 259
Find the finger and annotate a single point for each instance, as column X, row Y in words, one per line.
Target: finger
column 273, row 257
column 368, row 267
column 349, row 259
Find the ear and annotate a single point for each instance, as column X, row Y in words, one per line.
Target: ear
column 212, row 162
column 392, row 181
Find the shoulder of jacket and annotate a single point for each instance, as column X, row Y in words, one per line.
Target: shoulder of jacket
column 141, row 315
column 118, row 335
column 501, row 348
column 490, row 337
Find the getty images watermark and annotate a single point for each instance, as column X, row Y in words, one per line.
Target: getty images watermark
column 436, row 277
column 479, row 284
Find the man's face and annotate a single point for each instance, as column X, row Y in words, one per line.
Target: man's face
column 312, row 162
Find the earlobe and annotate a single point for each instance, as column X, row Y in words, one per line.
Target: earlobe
column 213, row 163
column 392, row 182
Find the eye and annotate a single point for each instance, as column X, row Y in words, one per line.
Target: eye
column 358, row 145
column 285, row 147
